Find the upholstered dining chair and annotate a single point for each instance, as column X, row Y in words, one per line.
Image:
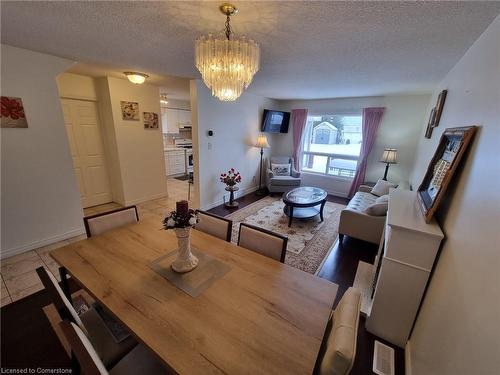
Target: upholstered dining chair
column 100, row 223
column 107, row 345
column 137, row 361
column 215, row 225
column 338, row 349
column 263, row 241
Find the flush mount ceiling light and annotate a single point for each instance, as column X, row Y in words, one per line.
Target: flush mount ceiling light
column 227, row 63
column 163, row 99
column 136, row 77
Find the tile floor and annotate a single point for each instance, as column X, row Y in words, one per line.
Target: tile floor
column 18, row 276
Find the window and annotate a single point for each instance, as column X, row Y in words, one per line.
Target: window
column 331, row 144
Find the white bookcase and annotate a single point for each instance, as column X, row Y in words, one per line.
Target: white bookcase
column 405, row 263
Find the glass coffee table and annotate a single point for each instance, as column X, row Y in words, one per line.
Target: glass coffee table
column 304, row 203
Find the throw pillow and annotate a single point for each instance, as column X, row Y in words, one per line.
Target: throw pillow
column 382, row 199
column 377, row 209
column 382, row 187
column 281, row 169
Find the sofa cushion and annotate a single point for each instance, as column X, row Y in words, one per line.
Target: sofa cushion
column 285, row 181
column 281, row 169
column 361, row 201
column 377, row 209
column 382, row 199
column 382, row 187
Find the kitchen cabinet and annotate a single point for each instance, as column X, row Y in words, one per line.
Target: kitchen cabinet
column 175, row 161
column 173, row 119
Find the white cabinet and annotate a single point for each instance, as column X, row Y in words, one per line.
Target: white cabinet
column 173, row 119
column 175, row 162
column 184, row 118
column 407, row 258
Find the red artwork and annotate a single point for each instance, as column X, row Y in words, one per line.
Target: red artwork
column 12, row 113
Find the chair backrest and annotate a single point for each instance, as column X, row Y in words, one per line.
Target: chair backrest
column 262, row 241
column 100, row 223
column 82, row 349
column 215, row 225
column 339, row 345
column 282, row 160
column 61, row 302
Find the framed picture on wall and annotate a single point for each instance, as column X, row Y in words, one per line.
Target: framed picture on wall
column 450, row 150
column 151, row 120
column 439, row 106
column 430, row 124
column 12, row 113
column 130, row 111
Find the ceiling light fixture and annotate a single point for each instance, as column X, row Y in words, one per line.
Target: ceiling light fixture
column 163, row 99
column 227, row 63
column 136, row 77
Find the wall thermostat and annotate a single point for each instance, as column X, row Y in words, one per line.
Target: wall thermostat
column 210, row 133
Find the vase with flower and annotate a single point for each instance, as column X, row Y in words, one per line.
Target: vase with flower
column 231, row 178
column 181, row 221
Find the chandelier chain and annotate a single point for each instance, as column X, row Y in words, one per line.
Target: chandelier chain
column 228, row 27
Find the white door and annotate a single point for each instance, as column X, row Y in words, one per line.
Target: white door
column 83, row 128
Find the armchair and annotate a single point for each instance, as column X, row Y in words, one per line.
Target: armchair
column 281, row 184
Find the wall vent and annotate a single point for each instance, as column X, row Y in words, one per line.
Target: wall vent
column 383, row 359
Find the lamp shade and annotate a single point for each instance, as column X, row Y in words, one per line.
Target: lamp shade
column 389, row 156
column 262, row 141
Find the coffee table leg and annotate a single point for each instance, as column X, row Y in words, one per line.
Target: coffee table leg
column 321, row 210
column 291, row 217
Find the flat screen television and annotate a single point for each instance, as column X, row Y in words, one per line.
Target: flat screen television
column 275, row 121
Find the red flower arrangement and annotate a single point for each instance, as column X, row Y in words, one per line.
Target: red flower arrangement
column 230, row 178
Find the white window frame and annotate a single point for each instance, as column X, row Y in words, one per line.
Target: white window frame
column 329, row 155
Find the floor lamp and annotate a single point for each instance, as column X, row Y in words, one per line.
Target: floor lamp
column 262, row 144
column 388, row 157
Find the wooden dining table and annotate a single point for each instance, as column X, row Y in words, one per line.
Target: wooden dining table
column 261, row 316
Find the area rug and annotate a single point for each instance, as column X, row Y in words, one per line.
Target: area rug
column 309, row 241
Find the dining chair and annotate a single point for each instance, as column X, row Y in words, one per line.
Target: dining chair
column 100, row 223
column 87, row 361
column 110, row 347
column 215, row 225
column 263, row 241
column 338, row 350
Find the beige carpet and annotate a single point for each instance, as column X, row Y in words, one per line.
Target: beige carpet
column 309, row 241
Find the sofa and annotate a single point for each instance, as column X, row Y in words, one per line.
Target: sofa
column 282, row 184
column 355, row 222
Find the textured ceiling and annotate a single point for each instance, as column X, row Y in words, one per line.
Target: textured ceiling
column 309, row 49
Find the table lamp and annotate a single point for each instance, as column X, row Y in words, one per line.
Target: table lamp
column 388, row 157
column 262, row 144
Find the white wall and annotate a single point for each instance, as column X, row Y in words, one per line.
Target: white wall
column 77, row 86
column 40, row 197
column 140, row 157
column 400, row 128
column 457, row 330
column 236, row 126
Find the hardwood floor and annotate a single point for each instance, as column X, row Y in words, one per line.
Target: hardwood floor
column 29, row 341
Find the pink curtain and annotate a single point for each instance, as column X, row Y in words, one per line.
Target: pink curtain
column 371, row 122
column 299, row 119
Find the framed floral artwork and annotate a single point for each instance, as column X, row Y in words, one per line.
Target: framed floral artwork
column 151, row 120
column 12, row 113
column 130, row 111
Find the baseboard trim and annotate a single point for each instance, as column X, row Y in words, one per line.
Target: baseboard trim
column 145, row 199
column 238, row 194
column 408, row 358
column 46, row 241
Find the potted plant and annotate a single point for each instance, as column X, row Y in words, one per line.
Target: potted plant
column 231, row 178
column 181, row 221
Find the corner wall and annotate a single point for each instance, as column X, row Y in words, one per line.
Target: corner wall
column 457, row 330
column 40, row 197
column 236, row 126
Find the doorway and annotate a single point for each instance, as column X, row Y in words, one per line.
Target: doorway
column 83, row 127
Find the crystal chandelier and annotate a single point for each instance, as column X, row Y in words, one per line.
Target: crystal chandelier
column 227, row 63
